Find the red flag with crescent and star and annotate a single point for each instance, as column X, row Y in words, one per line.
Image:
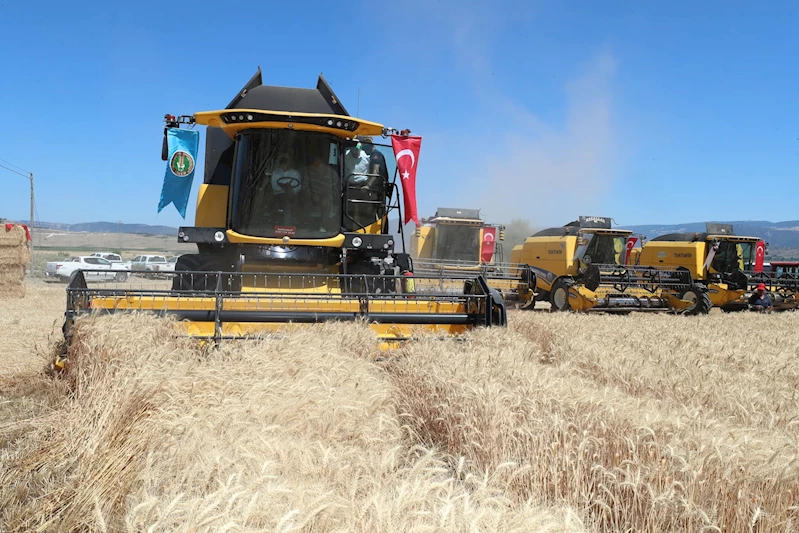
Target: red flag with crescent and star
column 760, row 256
column 406, row 152
column 630, row 245
column 489, row 240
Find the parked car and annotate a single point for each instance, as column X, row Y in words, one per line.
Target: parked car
column 101, row 269
column 114, row 258
column 170, row 264
column 108, row 256
column 149, row 265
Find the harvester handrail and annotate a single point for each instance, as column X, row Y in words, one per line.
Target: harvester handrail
column 465, row 269
column 648, row 278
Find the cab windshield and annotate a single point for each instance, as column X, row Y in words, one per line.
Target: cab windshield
column 605, row 249
column 458, row 243
column 732, row 256
column 287, row 183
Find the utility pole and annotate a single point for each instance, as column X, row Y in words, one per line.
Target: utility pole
column 29, row 175
column 31, row 228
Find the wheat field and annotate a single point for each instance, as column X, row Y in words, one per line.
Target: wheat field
column 557, row 423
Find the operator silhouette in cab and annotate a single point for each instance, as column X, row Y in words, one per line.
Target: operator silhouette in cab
column 286, row 178
column 362, row 158
column 760, row 301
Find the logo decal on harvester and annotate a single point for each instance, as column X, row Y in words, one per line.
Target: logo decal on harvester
column 181, row 164
column 546, row 275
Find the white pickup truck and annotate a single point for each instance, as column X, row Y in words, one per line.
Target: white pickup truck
column 150, row 266
column 63, row 270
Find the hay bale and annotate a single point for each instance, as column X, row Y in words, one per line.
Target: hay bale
column 12, row 281
column 13, row 235
column 14, row 255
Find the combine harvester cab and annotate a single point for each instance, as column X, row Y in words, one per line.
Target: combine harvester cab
column 727, row 264
column 291, row 228
column 456, row 243
column 585, row 266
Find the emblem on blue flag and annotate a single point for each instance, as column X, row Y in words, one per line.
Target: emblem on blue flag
column 179, row 175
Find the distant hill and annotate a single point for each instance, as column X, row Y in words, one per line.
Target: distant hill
column 783, row 237
column 777, row 234
column 108, row 227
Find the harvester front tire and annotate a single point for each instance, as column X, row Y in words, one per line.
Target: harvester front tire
column 559, row 296
column 703, row 303
column 203, row 282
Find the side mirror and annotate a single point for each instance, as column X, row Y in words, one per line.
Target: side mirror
column 164, row 148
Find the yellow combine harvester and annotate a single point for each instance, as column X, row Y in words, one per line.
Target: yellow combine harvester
column 723, row 261
column 456, row 243
column 583, row 266
column 291, row 227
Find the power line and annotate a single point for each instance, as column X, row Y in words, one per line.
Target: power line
column 15, row 172
column 13, row 165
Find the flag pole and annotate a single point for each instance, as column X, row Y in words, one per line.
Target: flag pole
column 399, row 210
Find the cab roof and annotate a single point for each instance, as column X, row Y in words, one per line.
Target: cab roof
column 256, row 95
column 591, row 224
column 219, row 147
column 701, row 237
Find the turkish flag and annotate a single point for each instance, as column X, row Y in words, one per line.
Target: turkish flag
column 489, row 240
column 406, row 152
column 630, row 245
column 760, row 256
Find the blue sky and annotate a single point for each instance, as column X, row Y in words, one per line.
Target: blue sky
column 646, row 112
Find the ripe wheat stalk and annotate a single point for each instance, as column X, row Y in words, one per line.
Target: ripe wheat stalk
column 556, row 423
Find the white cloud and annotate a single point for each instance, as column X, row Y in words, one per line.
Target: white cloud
column 549, row 173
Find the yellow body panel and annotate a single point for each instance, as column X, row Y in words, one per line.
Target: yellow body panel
column 690, row 255
column 721, row 295
column 213, row 118
column 582, row 299
column 282, row 303
column 553, row 254
column 332, row 242
column 212, row 202
column 387, row 333
column 423, row 242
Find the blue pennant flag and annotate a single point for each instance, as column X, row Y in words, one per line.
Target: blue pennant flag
column 179, row 168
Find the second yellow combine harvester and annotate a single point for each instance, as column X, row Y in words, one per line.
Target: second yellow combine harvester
column 584, row 266
column 291, row 228
column 456, row 242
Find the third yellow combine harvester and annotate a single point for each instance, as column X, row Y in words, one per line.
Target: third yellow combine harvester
column 730, row 265
column 456, row 242
column 584, row 266
column 291, row 227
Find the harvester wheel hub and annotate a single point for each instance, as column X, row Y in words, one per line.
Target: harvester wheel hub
column 691, row 297
column 560, row 297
